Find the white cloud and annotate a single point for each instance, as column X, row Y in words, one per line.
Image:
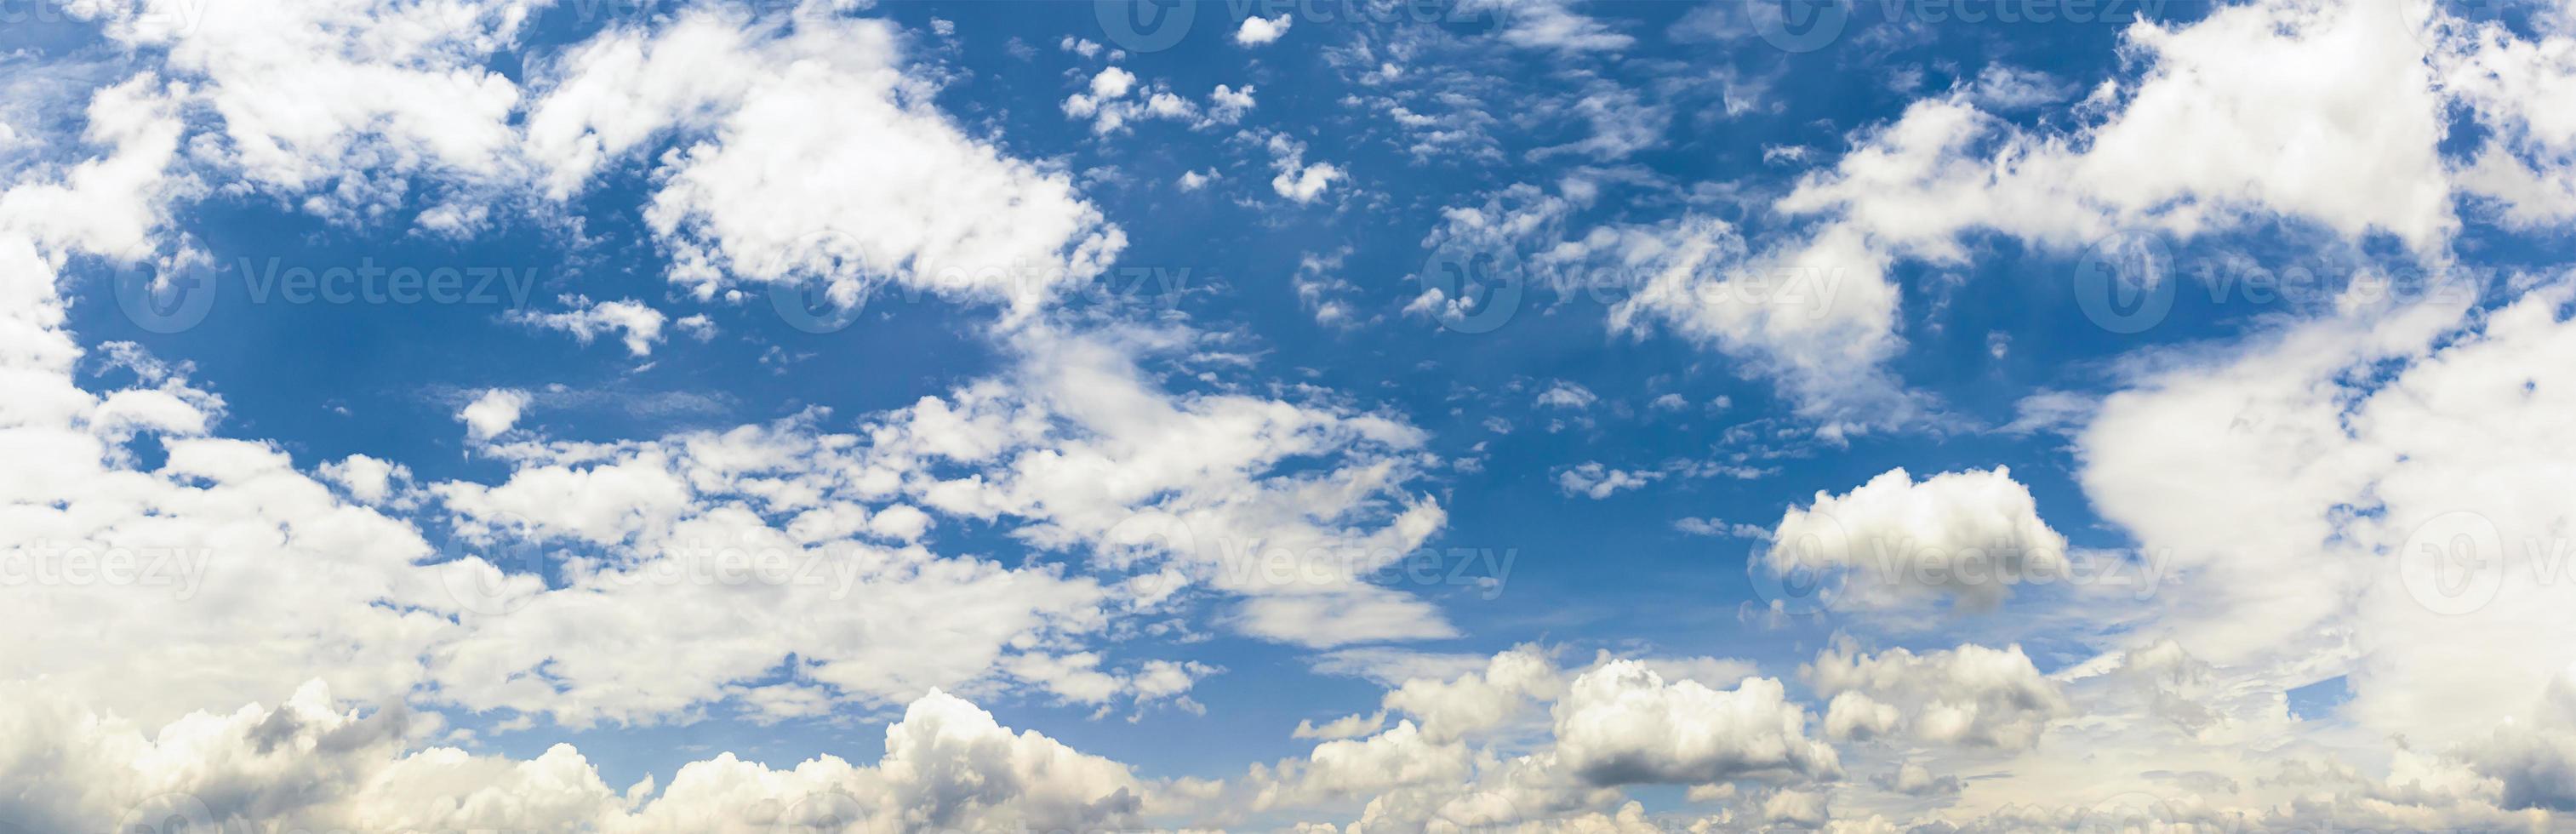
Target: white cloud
column 1257, row 30
column 639, row 327
column 344, row 100
column 1721, row 527
column 1348, row 726
column 2003, row 87
column 1970, row 695
column 1298, row 180
column 778, row 126
column 1967, row 537
column 2345, row 498
column 1226, row 105
column 1511, row 683
column 1596, row 481
column 369, row 480
column 312, row 763
column 2335, row 97
column 1623, row 724
column 2337, row 443
column 1548, row 24
column 1567, row 395
column 492, row 413
column 1112, row 82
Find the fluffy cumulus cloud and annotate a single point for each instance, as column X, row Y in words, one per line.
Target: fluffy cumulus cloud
column 1970, row 695
column 311, row 763
column 342, row 122
column 1522, row 743
column 1624, row 724
column 807, row 155
column 1965, row 537
column 493, row 412
column 2327, row 89
column 1257, row 30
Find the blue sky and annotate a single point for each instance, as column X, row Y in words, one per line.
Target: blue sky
column 1396, row 416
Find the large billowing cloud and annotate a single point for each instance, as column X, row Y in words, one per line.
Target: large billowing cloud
column 2314, row 111
column 311, row 763
column 808, row 154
